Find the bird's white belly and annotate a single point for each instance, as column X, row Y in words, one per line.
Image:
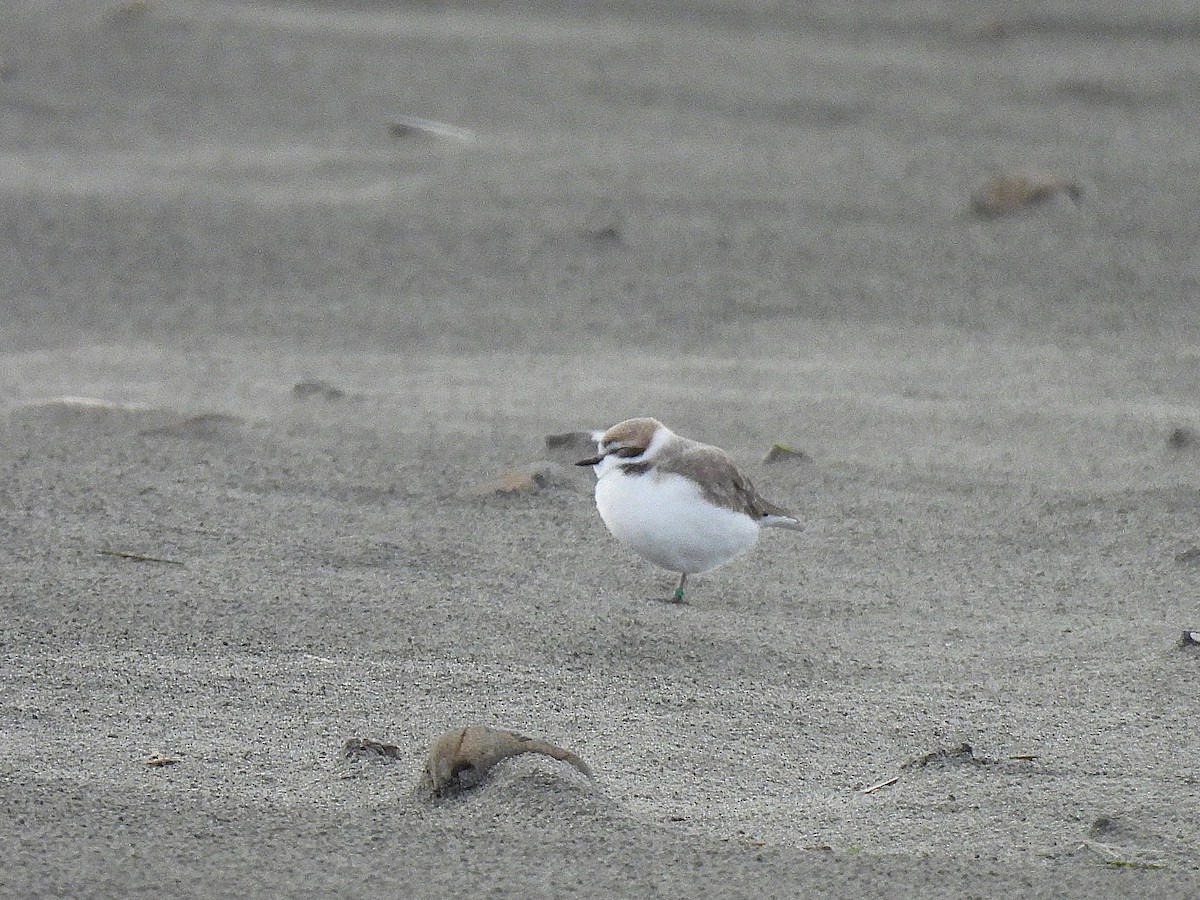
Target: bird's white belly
column 666, row 520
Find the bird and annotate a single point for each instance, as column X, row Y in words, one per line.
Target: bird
column 681, row 504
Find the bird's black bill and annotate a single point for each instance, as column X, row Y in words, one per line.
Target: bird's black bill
column 591, row 461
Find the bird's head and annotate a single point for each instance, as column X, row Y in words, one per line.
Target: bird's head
column 628, row 440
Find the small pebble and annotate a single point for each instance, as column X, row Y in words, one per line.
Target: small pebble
column 1008, row 193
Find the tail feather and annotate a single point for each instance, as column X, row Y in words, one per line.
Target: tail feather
column 775, row 520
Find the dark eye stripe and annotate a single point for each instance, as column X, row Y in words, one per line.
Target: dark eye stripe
column 627, row 452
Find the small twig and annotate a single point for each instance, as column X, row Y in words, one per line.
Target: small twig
column 1024, row 757
column 1113, row 858
column 139, row 557
column 875, row 787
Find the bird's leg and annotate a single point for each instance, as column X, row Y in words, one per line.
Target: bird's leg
column 678, row 598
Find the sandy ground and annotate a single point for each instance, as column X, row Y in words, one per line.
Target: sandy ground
column 747, row 220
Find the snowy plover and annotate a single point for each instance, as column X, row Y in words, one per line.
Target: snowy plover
column 681, row 504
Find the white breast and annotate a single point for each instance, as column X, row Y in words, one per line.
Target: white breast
column 665, row 519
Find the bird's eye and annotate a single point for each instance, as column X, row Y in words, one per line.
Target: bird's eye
column 626, row 452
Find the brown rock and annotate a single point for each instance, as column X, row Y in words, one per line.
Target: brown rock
column 528, row 479
column 1182, row 439
column 784, row 453
column 1008, row 193
column 461, row 758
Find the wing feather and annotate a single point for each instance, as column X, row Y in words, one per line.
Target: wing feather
column 721, row 482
